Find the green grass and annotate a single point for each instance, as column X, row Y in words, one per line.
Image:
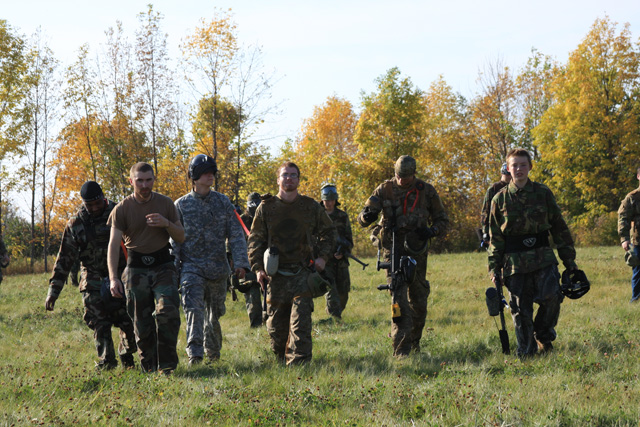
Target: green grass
column 460, row 378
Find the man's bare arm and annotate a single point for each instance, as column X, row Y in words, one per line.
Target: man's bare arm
column 113, row 258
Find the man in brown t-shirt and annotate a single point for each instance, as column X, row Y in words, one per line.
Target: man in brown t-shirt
column 145, row 220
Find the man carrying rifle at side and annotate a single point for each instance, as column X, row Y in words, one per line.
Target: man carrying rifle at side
column 523, row 214
column 337, row 268
column 412, row 213
column 505, row 179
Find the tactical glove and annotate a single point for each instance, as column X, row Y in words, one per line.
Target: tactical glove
column 369, row 215
column 425, row 233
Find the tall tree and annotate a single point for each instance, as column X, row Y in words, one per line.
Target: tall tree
column 210, row 54
column 494, row 113
column 390, row 125
column 154, row 81
column 589, row 138
column 13, row 69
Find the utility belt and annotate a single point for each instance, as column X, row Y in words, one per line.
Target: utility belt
column 526, row 242
column 140, row 260
column 289, row 270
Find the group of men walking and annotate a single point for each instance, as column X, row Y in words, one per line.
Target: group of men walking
column 152, row 253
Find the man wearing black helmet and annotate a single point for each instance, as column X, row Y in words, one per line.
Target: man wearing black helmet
column 146, row 220
column 251, row 287
column 413, row 208
column 505, row 178
column 337, row 269
column 209, row 221
column 86, row 238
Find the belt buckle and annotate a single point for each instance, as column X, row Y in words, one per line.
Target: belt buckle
column 148, row 260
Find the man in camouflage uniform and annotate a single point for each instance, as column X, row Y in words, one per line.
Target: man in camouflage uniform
column 86, row 239
column 417, row 211
column 523, row 214
column 287, row 223
column 4, row 257
column 505, row 178
column 209, row 221
column 337, row 269
column 146, row 220
column 629, row 232
column 251, row 287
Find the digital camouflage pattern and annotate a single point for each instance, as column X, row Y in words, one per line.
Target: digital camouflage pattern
column 337, row 270
column 415, row 206
column 530, row 210
column 486, row 204
column 204, row 304
column 629, row 218
column 153, row 301
column 290, row 227
column 209, row 222
column 211, row 228
column 84, row 243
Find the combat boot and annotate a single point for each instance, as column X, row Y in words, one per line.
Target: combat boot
column 127, row 361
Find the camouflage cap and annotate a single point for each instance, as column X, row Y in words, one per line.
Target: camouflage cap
column 405, row 166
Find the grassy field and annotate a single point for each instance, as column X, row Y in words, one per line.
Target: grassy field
column 460, row 378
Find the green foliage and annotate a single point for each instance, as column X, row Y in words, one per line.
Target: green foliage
column 460, row 378
column 589, row 139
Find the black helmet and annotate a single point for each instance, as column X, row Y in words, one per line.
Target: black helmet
column 329, row 192
column 504, row 170
column 574, row 283
column 253, row 201
column 201, row 164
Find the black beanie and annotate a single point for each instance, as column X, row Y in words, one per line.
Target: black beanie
column 91, row 191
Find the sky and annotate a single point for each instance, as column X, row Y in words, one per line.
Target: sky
column 339, row 48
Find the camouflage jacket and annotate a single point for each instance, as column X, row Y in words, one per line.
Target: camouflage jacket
column 343, row 228
column 415, row 206
column 486, row 204
column 290, row 227
column 87, row 239
column 529, row 210
column 3, row 248
column 209, row 223
column 629, row 218
column 247, row 221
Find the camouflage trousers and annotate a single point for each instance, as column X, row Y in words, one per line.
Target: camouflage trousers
column 203, row 303
column 541, row 287
column 406, row 332
column 289, row 308
column 253, row 301
column 338, row 274
column 99, row 317
column 153, row 303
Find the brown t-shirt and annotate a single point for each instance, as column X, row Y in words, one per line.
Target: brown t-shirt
column 129, row 216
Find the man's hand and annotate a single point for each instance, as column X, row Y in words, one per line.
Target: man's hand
column 369, row 215
column 338, row 255
column 49, row 303
column 240, row 273
column 117, row 289
column 157, row 220
column 320, row 264
column 425, row 233
column 625, row 245
column 263, row 279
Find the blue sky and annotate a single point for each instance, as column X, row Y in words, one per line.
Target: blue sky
column 319, row 49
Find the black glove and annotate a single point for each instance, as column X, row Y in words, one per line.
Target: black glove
column 425, row 233
column 368, row 215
